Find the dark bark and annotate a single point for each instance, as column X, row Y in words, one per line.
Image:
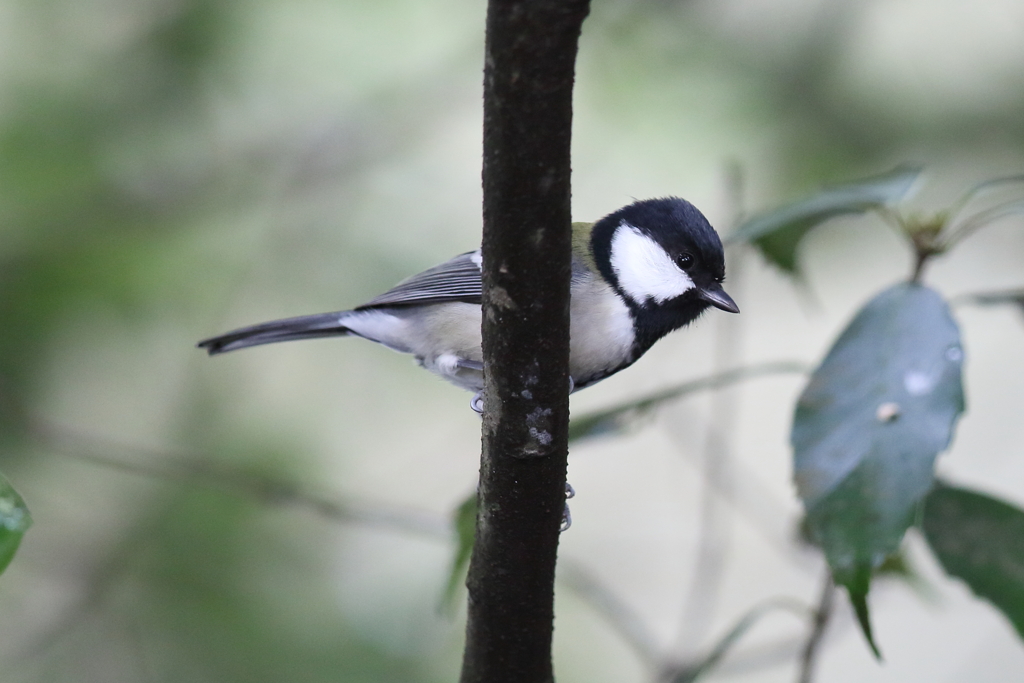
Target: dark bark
column 528, row 77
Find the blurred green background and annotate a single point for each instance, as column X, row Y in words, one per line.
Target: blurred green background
column 170, row 169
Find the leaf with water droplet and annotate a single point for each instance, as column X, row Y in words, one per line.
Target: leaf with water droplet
column 868, row 427
column 14, row 522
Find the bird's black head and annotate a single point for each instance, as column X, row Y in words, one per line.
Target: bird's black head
column 665, row 260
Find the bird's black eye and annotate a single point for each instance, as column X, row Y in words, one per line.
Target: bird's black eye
column 684, row 260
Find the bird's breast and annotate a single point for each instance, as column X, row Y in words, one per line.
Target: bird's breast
column 601, row 332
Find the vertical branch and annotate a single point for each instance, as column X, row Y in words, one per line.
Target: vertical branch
column 528, row 77
column 718, row 489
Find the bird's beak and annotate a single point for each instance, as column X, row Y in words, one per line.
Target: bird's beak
column 717, row 297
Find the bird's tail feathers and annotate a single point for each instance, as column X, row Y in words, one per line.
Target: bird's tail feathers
column 289, row 329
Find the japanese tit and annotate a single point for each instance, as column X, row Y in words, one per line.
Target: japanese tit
column 637, row 274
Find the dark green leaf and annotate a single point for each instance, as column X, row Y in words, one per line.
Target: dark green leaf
column 981, row 540
column 464, row 521
column 617, row 419
column 778, row 233
column 897, row 566
column 14, row 522
column 869, row 425
column 857, row 584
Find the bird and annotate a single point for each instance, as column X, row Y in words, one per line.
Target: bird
column 639, row 273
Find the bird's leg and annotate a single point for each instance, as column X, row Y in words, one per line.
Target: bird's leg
column 569, row 490
column 477, row 402
column 566, row 515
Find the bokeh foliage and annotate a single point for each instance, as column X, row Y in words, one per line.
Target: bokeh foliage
column 163, row 162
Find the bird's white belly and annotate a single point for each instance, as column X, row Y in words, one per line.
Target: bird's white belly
column 445, row 338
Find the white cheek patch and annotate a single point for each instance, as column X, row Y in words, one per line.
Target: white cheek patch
column 644, row 268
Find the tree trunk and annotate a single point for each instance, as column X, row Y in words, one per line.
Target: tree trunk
column 528, row 77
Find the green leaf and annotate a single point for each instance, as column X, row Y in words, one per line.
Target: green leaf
column 14, row 522
column 868, row 427
column 617, row 419
column 464, row 521
column 778, row 233
column 980, row 540
column 857, row 584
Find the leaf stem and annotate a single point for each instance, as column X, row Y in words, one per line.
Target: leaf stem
column 983, row 219
column 921, row 258
column 961, row 204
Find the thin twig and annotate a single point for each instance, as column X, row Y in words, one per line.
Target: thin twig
column 819, row 622
column 693, row 670
column 611, row 420
column 270, row 491
column 776, row 652
column 632, row 630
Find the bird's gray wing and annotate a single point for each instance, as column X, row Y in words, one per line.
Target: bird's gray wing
column 456, row 280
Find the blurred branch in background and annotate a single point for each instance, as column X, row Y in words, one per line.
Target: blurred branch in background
column 716, row 521
column 619, row 418
column 617, row 613
column 666, row 667
column 697, row 668
column 198, row 470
